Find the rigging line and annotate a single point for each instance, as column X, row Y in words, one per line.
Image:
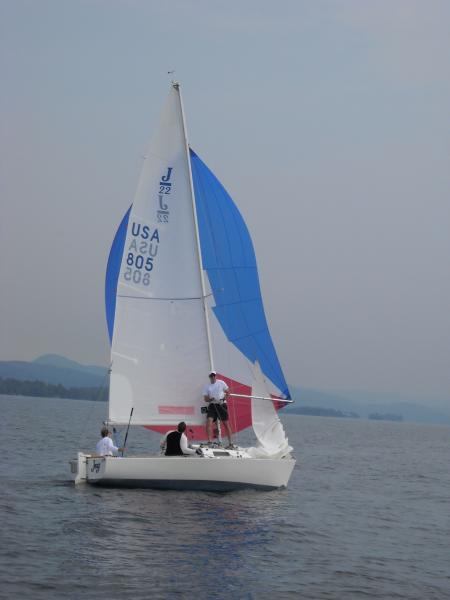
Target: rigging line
column 238, row 302
column 234, row 408
column 162, row 298
column 218, row 427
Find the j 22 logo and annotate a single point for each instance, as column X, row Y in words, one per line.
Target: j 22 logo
column 165, row 187
column 95, row 467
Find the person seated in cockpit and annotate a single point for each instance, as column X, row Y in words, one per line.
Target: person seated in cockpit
column 175, row 442
column 105, row 446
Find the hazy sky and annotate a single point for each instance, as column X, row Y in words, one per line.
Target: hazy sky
column 328, row 122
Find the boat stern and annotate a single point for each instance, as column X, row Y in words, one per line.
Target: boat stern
column 78, row 467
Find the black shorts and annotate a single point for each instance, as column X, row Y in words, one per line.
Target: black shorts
column 219, row 411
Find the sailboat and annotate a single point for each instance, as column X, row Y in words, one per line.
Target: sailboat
column 182, row 299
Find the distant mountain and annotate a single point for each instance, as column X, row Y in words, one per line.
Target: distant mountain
column 362, row 396
column 416, row 409
column 314, row 411
column 322, row 399
column 385, row 417
column 55, row 369
column 14, row 387
column 61, row 361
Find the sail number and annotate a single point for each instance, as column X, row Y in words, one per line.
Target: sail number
column 137, row 274
column 142, row 250
column 138, row 261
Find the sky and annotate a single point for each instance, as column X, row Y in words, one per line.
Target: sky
column 328, row 123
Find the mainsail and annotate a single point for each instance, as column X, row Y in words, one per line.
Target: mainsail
column 159, row 351
column 162, row 346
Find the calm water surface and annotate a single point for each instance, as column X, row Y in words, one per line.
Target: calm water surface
column 366, row 515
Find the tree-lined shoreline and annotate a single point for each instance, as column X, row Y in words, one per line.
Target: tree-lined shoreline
column 36, row 388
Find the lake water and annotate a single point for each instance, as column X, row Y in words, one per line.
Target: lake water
column 366, row 515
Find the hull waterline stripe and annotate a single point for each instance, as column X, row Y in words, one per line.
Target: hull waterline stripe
column 194, row 485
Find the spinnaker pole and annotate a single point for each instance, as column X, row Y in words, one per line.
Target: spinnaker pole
column 262, row 398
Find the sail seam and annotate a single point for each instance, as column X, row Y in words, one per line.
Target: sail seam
column 147, row 298
column 248, row 335
column 227, row 268
column 236, row 302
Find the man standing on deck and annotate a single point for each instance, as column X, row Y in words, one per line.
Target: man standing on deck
column 216, row 394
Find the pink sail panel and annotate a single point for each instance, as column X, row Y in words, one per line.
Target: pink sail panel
column 239, row 411
column 164, row 409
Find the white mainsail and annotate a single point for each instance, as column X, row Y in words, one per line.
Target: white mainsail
column 159, row 348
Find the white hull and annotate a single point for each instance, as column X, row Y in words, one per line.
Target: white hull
column 184, row 472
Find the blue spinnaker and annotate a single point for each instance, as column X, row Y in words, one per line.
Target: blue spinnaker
column 229, row 260
column 112, row 272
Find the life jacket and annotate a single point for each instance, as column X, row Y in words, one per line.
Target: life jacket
column 173, row 447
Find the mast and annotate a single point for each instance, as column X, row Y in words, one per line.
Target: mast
column 176, row 86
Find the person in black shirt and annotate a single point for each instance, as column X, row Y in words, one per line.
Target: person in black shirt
column 175, row 442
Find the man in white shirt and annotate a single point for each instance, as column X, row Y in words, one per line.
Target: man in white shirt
column 105, row 446
column 175, row 443
column 216, row 394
